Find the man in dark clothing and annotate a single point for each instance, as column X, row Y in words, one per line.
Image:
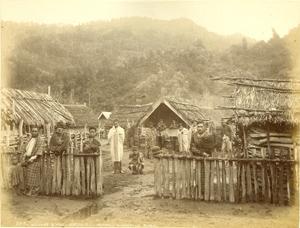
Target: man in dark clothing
column 91, row 145
column 161, row 126
column 202, row 143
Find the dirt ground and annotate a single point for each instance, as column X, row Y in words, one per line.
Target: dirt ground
column 129, row 200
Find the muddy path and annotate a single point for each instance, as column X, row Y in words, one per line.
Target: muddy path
column 129, row 200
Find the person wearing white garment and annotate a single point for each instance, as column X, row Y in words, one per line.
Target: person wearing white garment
column 192, row 131
column 116, row 137
column 183, row 139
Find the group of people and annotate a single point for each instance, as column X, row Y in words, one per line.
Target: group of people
column 32, row 150
column 197, row 141
column 200, row 139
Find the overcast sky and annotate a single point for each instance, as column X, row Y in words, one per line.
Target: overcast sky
column 249, row 17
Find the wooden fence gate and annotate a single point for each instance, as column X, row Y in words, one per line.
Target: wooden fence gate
column 216, row 179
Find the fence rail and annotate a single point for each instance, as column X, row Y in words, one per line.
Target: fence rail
column 72, row 173
column 217, row 179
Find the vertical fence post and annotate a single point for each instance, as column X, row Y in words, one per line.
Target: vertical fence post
column 212, row 180
column 207, row 179
column 218, row 198
column 173, row 177
column 231, row 183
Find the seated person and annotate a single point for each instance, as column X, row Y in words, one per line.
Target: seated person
column 136, row 165
column 91, row 145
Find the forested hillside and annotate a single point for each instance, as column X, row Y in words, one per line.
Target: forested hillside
column 133, row 60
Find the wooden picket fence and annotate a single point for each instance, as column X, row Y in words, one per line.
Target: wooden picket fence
column 72, row 173
column 223, row 180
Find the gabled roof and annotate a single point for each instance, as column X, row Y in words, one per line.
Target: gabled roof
column 83, row 115
column 31, row 107
column 105, row 115
column 187, row 112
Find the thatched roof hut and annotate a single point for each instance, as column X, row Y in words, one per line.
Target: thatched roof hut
column 267, row 115
column 82, row 115
column 169, row 109
column 31, row 108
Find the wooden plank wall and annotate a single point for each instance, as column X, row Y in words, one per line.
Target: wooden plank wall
column 227, row 180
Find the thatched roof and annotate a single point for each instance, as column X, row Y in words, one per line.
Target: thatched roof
column 31, row 107
column 129, row 114
column 187, row 112
column 83, row 115
column 266, row 101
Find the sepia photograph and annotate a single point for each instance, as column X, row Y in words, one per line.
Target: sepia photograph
column 150, row 113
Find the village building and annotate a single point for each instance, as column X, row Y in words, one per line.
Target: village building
column 20, row 110
column 267, row 114
column 84, row 117
column 103, row 119
column 136, row 119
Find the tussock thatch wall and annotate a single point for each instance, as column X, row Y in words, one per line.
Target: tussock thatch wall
column 31, row 107
column 266, row 102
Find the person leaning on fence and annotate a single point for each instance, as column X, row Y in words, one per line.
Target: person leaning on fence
column 91, row 145
column 136, row 165
column 59, row 141
column 116, row 136
column 202, row 141
column 31, row 162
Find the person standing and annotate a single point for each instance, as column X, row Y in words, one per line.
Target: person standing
column 31, row 162
column 227, row 136
column 116, row 137
column 161, row 127
column 192, row 131
column 59, row 141
column 183, row 139
column 91, row 145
